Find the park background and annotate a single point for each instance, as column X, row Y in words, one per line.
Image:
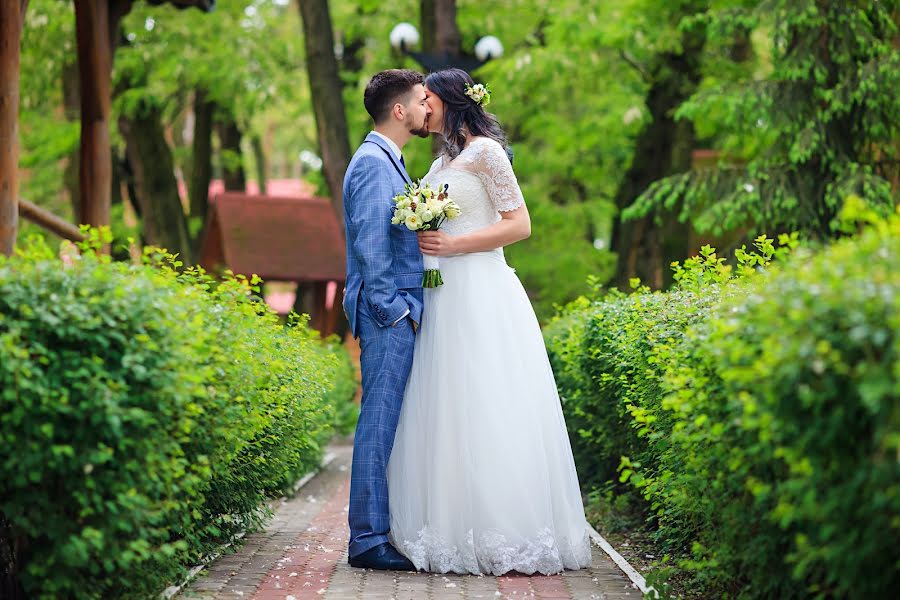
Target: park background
column 737, row 411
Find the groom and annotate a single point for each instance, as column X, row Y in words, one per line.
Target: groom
column 383, row 302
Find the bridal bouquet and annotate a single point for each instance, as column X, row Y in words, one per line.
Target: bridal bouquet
column 422, row 208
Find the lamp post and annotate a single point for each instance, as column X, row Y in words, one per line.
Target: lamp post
column 405, row 36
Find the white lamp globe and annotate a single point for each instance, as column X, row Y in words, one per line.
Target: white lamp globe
column 404, row 35
column 487, row 48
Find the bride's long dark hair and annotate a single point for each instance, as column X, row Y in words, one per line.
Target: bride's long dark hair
column 461, row 113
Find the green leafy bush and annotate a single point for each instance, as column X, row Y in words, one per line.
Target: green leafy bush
column 757, row 419
column 601, row 352
column 146, row 413
column 343, row 395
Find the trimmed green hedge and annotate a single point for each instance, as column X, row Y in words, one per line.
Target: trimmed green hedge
column 146, row 414
column 756, row 419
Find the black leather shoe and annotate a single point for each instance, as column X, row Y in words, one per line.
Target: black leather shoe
column 383, row 557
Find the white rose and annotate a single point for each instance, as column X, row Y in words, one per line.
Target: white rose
column 452, row 210
column 427, row 215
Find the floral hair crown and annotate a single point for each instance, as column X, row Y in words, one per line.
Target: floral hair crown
column 479, row 93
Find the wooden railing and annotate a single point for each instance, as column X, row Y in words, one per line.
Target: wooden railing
column 49, row 221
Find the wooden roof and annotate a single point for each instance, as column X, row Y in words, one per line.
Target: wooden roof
column 282, row 239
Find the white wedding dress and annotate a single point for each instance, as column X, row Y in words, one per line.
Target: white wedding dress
column 481, row 478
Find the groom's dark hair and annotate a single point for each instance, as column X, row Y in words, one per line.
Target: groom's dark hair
column 386, row 89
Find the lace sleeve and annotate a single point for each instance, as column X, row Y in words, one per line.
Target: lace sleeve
column 496, row 173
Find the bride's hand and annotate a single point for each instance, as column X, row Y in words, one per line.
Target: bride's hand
column 436, row 243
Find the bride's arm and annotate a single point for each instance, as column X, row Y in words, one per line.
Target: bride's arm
column 493, row 168
column 513, row 226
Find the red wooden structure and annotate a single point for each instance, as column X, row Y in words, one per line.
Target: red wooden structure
column 280, row 239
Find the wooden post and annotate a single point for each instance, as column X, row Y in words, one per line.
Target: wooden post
column 95, row 72
column 97, row 30
column 12, row 14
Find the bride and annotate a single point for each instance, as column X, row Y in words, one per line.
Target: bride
column 481, row 477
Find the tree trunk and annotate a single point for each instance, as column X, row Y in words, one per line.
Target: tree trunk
column 71, row 109
column 663, row 148
column 328, row 104
column 440, row 37
column 428, row 25
column 440, row 31
column 13, row 548
column 446, row 30
column 232, row 158
column 259, row 157
column 12, row 15
column 201, row 154
column 310, row 300
column 154, row 181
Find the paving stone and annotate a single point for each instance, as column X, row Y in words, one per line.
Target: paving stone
column 302, row 554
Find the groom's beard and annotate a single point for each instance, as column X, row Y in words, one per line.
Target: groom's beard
column 422, row 131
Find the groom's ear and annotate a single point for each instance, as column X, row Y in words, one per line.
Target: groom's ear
column 398, row 111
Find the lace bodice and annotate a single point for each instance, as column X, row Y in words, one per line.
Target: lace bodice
column 481, row 181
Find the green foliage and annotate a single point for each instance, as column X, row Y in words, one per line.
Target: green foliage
column 798, row 138
column 755, row 414
column 245, row 54
column 343, row 395
column 610, row 390
column 570, row 147
column 571, row 107
column 804, row 118
column 147, row 414
column 47, row 134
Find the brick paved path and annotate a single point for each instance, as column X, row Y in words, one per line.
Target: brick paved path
column 302, row 555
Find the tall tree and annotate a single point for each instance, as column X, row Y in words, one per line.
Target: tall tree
column 12, row 16
column 201, row 153
column 259, row 159
column 97, row 25
column 822, row 125
column 71, row 111
column 231, row 87
column 440, row 37
column 232, row 156
column 647, row 246
column 150, row 157
column 440, row 30
column 327, row 99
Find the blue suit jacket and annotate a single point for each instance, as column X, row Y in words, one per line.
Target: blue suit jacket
column 383, row 260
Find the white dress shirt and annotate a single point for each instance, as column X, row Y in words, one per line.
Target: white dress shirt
column 394, row 147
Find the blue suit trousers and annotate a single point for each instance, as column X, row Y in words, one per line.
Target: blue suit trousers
column 385, row 359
